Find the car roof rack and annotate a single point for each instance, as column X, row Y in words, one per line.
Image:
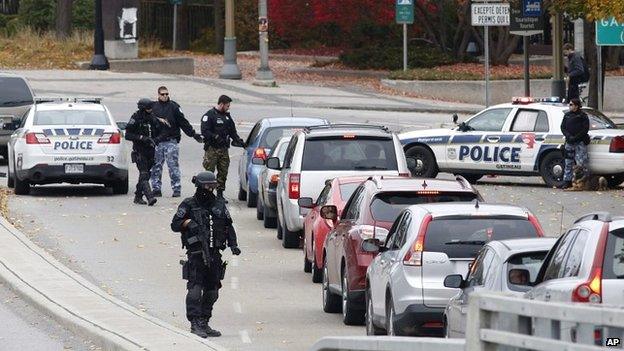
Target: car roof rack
column 595, row 216
column 347, row 125
column 93, row 100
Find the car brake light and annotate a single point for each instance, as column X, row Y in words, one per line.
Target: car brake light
column 537, row 225
column 404, row 175
column 36, row 138
column 260, row 153
column 293, row 186
column 428, row 192
column 617, row 144
column 591, row 290
column 274, row 178
column 110, row 138
column 413, row 257
column 348, row 136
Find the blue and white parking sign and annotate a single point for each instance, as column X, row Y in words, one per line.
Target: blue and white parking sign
column 532, row 8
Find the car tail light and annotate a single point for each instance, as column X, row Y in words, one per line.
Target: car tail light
column 537, row 225
column 260, row 153
column 413, row 257
column 274, row 179
column 617, row 144
column 428, row 192
column 110, row 138
column 293, row 186
column 36, row 138
column 404, row 175
column 591, row 290
column 371, row 231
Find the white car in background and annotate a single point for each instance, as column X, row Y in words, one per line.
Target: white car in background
column 67, row 141
column 266, row 210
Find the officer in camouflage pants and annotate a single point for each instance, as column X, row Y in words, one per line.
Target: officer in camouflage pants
column 218, row 129
column 575, row 128
column 167, row 151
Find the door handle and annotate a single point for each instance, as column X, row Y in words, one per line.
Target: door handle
column 540, row 139
column 547, row 296
column 493, row 139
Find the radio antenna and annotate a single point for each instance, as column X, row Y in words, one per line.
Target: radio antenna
column 561, row 220
column 291, row 105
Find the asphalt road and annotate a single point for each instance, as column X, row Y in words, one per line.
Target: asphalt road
column 267, row 302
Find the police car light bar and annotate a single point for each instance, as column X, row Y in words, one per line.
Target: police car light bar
column 522, row 100
column 94, row 100
column 529, row 100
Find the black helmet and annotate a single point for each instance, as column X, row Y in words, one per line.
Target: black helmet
column 204, row 178
column 144, row 104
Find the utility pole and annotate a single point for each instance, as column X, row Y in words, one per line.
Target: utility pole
column 264, row 76
column 558, row 87
column 99, row 60
column 230, row 68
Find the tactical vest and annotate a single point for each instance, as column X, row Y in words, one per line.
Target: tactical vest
column 213, row 223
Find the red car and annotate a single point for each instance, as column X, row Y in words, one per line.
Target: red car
column 369, row 213
column 336, row 192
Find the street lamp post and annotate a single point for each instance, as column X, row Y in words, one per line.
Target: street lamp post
column 264, row 76
column 230, row 68
column 99, row 60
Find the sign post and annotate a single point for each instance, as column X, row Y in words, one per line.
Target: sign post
column 489, row 14
column 609, row 32
column 175, row 4
column 526, row 20
column 404, row 15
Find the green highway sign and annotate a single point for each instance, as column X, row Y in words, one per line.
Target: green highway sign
column 609, row 32
column 405, row 11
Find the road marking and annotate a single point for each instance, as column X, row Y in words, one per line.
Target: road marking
column 234, row 283
column 237, row 307
column 244, row 334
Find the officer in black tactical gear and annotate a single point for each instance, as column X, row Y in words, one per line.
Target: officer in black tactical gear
column 206, row 228
column 141, row 129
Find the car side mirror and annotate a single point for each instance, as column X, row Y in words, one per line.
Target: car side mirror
column 273, row 163
column 462, row 127
column 371, row 245
column 305, row 202
column 454, row 281
column 257, row 161
column 329, row 212
column 455, row 118
column 518, row 276
column 122, row 125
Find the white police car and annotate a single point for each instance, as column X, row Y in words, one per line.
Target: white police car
column 67, row 141
column 520, row 138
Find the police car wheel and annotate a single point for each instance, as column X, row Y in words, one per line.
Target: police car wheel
column 120, row 187
column 551, row 169
column 242, row 194
column 426, row 166
column 615, row 180
column 22, row 187
column 10, row 180
column 279, row 230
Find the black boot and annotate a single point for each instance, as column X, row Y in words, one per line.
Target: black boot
column 209, row 331
column 138, row 199
column 198, row 327
column 151, row 201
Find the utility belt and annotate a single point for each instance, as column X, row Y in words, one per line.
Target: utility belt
column 187, row 268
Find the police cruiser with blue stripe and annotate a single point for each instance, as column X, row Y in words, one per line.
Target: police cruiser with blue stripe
column 521, row 138
column 61, row 140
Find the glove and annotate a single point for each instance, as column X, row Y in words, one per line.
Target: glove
column 235, row 250
column 198, row 138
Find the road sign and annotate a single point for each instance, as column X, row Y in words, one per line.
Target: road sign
column 405, row 11
column 490, row 14
column 527, row 17
column 609, row 32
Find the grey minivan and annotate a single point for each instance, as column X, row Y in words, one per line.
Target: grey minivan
column 16, row 98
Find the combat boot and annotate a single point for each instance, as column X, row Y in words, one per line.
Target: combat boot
column 209, row 331
column 138, row 199
column 151, row 200
column 198, row 327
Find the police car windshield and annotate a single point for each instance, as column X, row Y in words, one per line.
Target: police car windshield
column 597, row 120
column 70, row 117
column 386, row 206
column 348, row 154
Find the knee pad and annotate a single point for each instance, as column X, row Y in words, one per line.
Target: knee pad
column 194, row 291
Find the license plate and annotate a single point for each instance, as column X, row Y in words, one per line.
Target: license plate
column 74, row 168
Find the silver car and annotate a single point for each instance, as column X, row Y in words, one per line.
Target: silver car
column 508, row 266
column 405, row 294
column 16, row 99
column 266, row 210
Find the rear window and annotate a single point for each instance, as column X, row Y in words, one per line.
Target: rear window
column 349, row 154
column 14, row 92
column 70, row 117
column 273, row 135
column 597, row 120
column 385, row 207
column 531, row 261
column 346, row 190
column 613, row 265
column 463, row 237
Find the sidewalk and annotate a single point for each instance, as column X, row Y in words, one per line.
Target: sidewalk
column 81, row 306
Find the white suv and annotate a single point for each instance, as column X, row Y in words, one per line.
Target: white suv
column 318, row 153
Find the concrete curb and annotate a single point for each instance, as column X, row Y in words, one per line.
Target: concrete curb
column 81, row 306
column 328, row 72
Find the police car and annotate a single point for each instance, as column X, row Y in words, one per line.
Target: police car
column 521, row 138
column 67, row 141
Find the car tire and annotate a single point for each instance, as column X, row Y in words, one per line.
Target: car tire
column 290, row 240
column 614, row 180
column 10, row 180
column 120, row 187
column 350, row 316
column 472, row 178
column 252, row 199
column 426, row 166
column 307, row 265
column 331, row 301
column 390, row 327
column 551, row 169
column 445, row 328
column 371, row 328
column 22, row 187
column 317, row 273
column 268, row 222
column 259, row 210
column 242, row 194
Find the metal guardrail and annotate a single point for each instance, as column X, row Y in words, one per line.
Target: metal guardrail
column 501, row 322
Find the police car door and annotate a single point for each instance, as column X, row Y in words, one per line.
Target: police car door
column 528, row 131
column 477, row 146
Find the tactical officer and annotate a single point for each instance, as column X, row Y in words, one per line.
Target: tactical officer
column 169, row 136
column 141, row 130
column 575, row 129
column 206, row 228
column 218, row 129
